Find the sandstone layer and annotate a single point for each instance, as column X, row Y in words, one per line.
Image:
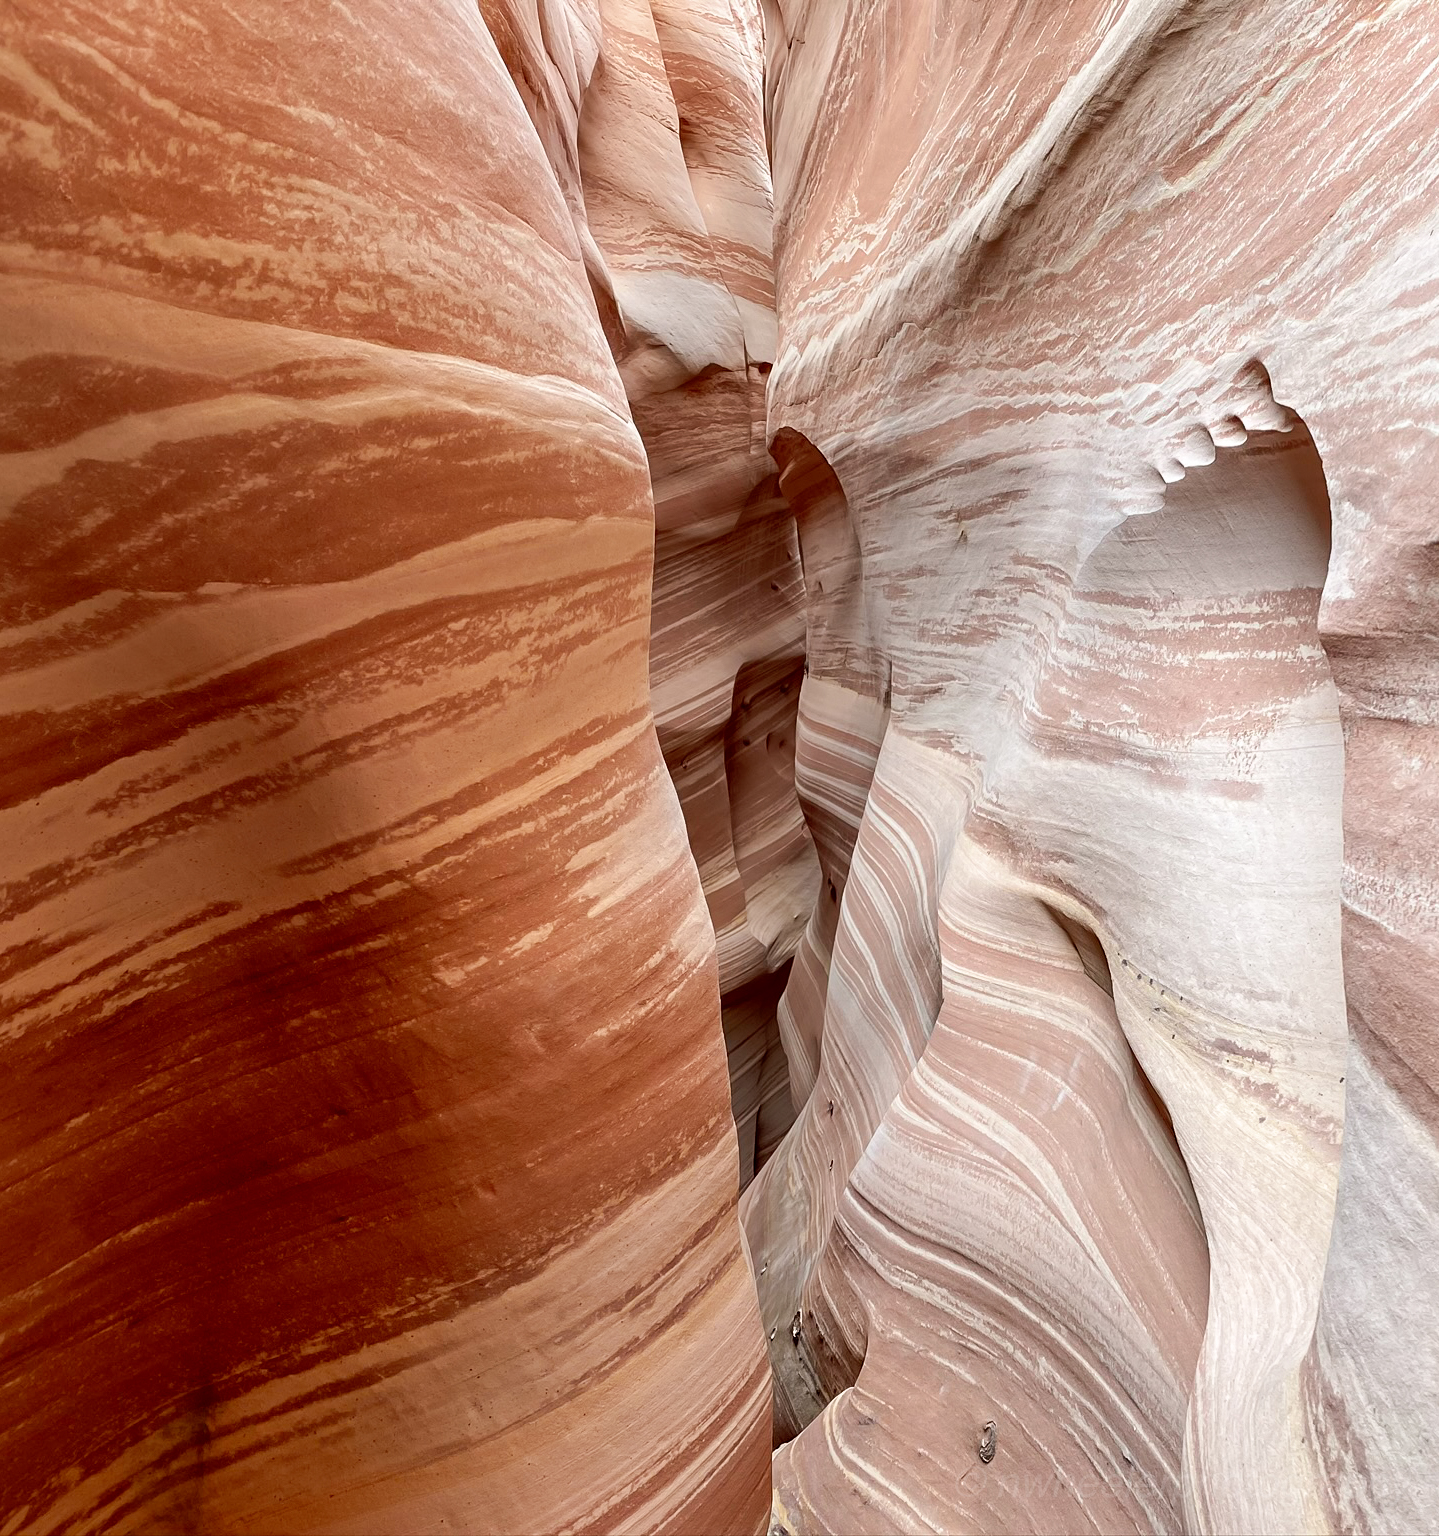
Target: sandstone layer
column 605, row 599
column 368, row 1159
column 677, row 193
column 1104, row 400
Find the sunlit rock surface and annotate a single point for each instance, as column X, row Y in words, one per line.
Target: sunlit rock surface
column 368, row 1156
column 1104, row 391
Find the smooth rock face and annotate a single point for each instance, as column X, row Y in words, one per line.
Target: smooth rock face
column 1104, row 400
column 476, row 651
column 368, row 1157
column 677, row 193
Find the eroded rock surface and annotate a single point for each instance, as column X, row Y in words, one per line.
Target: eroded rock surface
column 476, row 651
column 677, row 193
column 1090, row 347
column 368, row 1153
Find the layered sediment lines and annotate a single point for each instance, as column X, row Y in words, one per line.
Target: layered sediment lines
column 677, row 193
column 1104, row 372
column 534, row 661
column 368, row 1159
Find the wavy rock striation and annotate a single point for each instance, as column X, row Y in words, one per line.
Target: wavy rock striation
column 1102, row 398
column 502, row 607
column 677, row 192
column 368, row 1159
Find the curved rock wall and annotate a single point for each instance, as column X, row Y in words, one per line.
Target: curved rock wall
column 368, row 1153
column 677, row 192
column 1107, row 325
column 465, row 671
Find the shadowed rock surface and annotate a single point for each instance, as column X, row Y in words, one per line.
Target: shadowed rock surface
column 369, row 1161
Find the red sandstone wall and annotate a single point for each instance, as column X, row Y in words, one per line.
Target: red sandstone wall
column 368, row 1153
column 406, row 491
column 677, row 193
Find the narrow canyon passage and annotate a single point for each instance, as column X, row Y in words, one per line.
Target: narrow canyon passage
column 719, row 790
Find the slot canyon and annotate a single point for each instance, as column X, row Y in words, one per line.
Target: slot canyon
column 719, row 767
